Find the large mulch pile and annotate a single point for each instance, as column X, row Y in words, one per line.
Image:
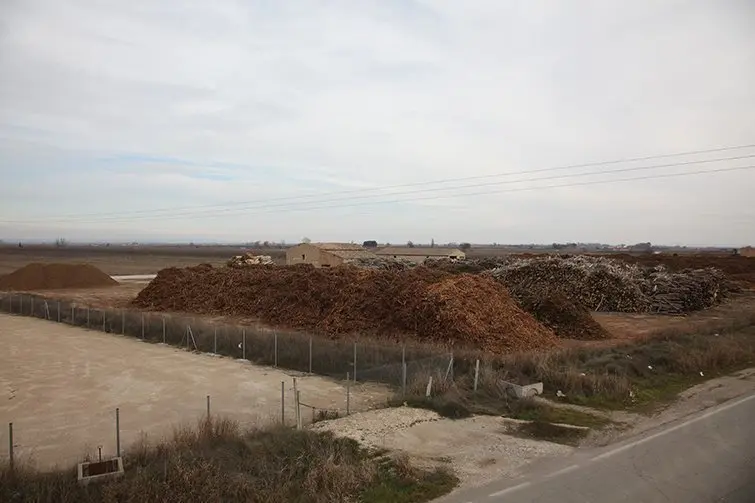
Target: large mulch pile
column 55, row 276
column 567, row 319
column 432, row 306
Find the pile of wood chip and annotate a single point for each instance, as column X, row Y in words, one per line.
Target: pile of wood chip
column 469, row 311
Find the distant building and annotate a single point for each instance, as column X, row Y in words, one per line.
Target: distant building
column 419, row 255
column 747, row 251
column 325, row 254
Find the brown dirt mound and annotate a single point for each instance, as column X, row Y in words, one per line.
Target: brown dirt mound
column 55, row 276
column 567, row 319
column 432, row 306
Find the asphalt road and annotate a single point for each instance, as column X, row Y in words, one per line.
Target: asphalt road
column 708, row 457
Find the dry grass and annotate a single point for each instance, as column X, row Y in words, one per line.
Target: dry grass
column 633, row 375
column 216, row 461
column 627, row 375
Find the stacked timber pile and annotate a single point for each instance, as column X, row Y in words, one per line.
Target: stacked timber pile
column 248, row 259
column 55, row 276
column 469, row 311
column 686, row 290
column 603, row 284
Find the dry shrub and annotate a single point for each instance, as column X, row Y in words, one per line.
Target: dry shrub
column 216, row 461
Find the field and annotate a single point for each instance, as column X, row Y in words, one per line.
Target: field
column 61, row 386
column 64, row 383
column 121, row 260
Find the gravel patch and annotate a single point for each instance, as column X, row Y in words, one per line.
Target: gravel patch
column 477, row 448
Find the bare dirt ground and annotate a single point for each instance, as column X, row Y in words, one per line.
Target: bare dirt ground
column 477, row 448
column 60, row 386
column 118, row 296
column 126, row 259
column 625, row 327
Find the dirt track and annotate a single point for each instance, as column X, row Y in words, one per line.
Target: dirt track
column 60, row 385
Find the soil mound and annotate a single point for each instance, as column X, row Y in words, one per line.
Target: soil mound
column 55, row 276
column 566, row 318
column 432, row 306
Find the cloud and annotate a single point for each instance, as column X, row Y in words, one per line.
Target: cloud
column 111, row 108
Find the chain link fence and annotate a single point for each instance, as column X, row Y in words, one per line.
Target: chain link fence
column 392, row 364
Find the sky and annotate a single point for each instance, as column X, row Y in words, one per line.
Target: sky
column 244, row 120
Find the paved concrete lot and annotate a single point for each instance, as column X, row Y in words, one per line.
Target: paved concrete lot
column 60, row 386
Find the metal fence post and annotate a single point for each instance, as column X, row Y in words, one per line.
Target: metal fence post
column 403, row 378
column 283, row 402
column 163, row 329
column 123, row 322
column 87, row 316
column 310, row 354
column 118, row 431
column 215, row 341
column 73, row 315
column 348, row 393
column 243, row 343
column 476, row 374
column 298, row 410
column 403, row 369
column 449, row 369
column 296, row 404
column 10, row 445
column 104, row 320
column 208, row 406
column 355, row 361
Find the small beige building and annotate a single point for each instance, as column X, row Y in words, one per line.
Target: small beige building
column 747, row 251
column 326, row 254
column 419, row 255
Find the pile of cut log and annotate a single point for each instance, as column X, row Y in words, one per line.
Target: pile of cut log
column 248, row 259
column 603, row 284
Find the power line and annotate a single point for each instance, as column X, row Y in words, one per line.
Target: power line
column 284, row 206
column 480, row 193
column 153, row 212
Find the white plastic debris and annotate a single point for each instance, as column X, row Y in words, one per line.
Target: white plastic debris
column 701, row 374
column 560, row 394
column 650, row 367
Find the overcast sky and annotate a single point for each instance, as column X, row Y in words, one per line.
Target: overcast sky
column 243, row 120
